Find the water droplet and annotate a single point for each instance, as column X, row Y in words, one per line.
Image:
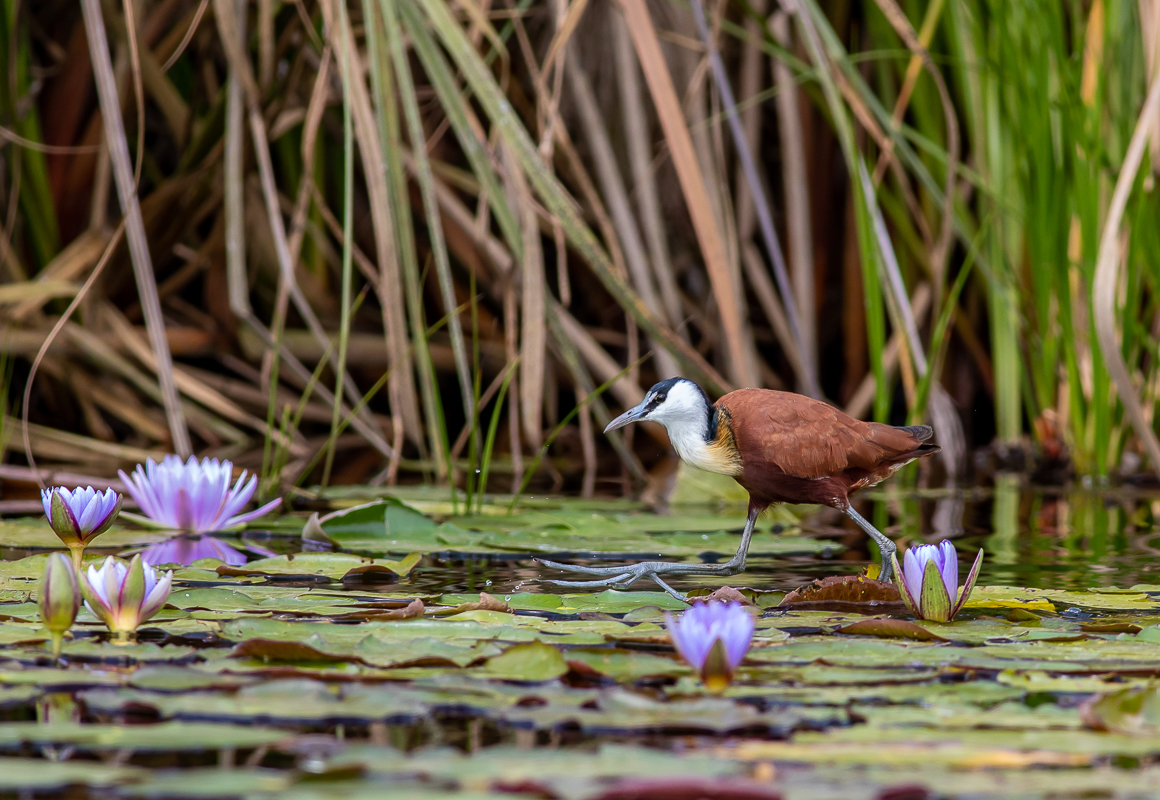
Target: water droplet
column 487, row 583
column 477, row 472
column 704, row 536
column 507, row 597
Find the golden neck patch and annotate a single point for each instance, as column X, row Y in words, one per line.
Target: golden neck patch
column 713, row 450
column 722, row 447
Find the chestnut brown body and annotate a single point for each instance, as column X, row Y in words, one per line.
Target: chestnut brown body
column 793, row 449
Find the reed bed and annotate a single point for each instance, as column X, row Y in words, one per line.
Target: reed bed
column 397, row 240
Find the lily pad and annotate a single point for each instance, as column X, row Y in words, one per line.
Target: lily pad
column 34, row 532
column 527, row 662
column 163, row 736
column 330, row 566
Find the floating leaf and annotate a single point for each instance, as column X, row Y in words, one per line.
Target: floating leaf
column 328, row 566
column 527, row 662
column 274, row 650
column 38, row 774
column 163, row 736
column 886, row 628
column 846, row 593
column 625, row 665
column 1134, row 711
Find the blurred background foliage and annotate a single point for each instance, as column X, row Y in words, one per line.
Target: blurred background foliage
column 397, row 240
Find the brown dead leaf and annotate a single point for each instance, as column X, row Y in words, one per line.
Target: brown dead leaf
column 887, row 628
column 727, row 594
column 486, row 602
column 412, row 610
column 846, row 593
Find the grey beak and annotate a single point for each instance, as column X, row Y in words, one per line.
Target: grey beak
column 632, row 415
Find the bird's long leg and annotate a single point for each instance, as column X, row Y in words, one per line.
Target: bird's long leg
column 885, row 546
column 625, row 576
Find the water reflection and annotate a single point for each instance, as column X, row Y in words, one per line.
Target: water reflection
column 184, row 550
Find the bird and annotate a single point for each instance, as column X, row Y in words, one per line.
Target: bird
column 781, row 447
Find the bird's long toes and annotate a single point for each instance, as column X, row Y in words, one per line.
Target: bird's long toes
column 582, row 569
column 615, row 580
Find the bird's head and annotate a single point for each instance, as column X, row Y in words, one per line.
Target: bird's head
column 676, row 401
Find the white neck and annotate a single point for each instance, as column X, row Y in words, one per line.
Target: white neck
column 688, row 438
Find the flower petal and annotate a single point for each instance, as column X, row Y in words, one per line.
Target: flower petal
column 63, row 520
column 237, row 498
column 912, row 570
column 934, row 602
column 91, row 514
column 903, row 589
column 156, row 598
column 135, row 490
column 241, row 519
column 949, row 567
column 969, row 585
column 737, row 635
column 112, row 509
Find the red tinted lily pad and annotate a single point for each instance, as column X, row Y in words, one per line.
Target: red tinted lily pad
column 847, row 593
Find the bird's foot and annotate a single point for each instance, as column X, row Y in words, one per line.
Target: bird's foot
column 624, row 576
column 887, row 548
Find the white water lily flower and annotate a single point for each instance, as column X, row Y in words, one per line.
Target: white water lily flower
column 193, row 496
column 125, row 595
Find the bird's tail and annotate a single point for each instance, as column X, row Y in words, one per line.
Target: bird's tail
column 920, row 432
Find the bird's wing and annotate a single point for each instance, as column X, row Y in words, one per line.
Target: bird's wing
column 806, row 438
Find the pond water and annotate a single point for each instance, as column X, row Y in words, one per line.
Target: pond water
column 315, row 676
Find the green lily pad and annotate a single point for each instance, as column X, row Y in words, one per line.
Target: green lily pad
column 331, row 566
column 37, row 774
column 35, row 532
column 625, row 665
column 163, row 736
column 535, row 661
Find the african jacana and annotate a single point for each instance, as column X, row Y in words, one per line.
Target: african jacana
column 781, row 447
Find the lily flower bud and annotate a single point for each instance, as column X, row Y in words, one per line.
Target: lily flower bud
column 929, row 581
column 78, row 516
column 58, row 598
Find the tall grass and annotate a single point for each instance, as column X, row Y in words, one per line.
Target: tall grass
column 563, row 185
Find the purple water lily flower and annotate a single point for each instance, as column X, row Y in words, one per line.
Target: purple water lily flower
column 929, row 581
column 713, row 638
column 193, row 496
column 125, row 595
column 184, row 550
column 78, row 515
